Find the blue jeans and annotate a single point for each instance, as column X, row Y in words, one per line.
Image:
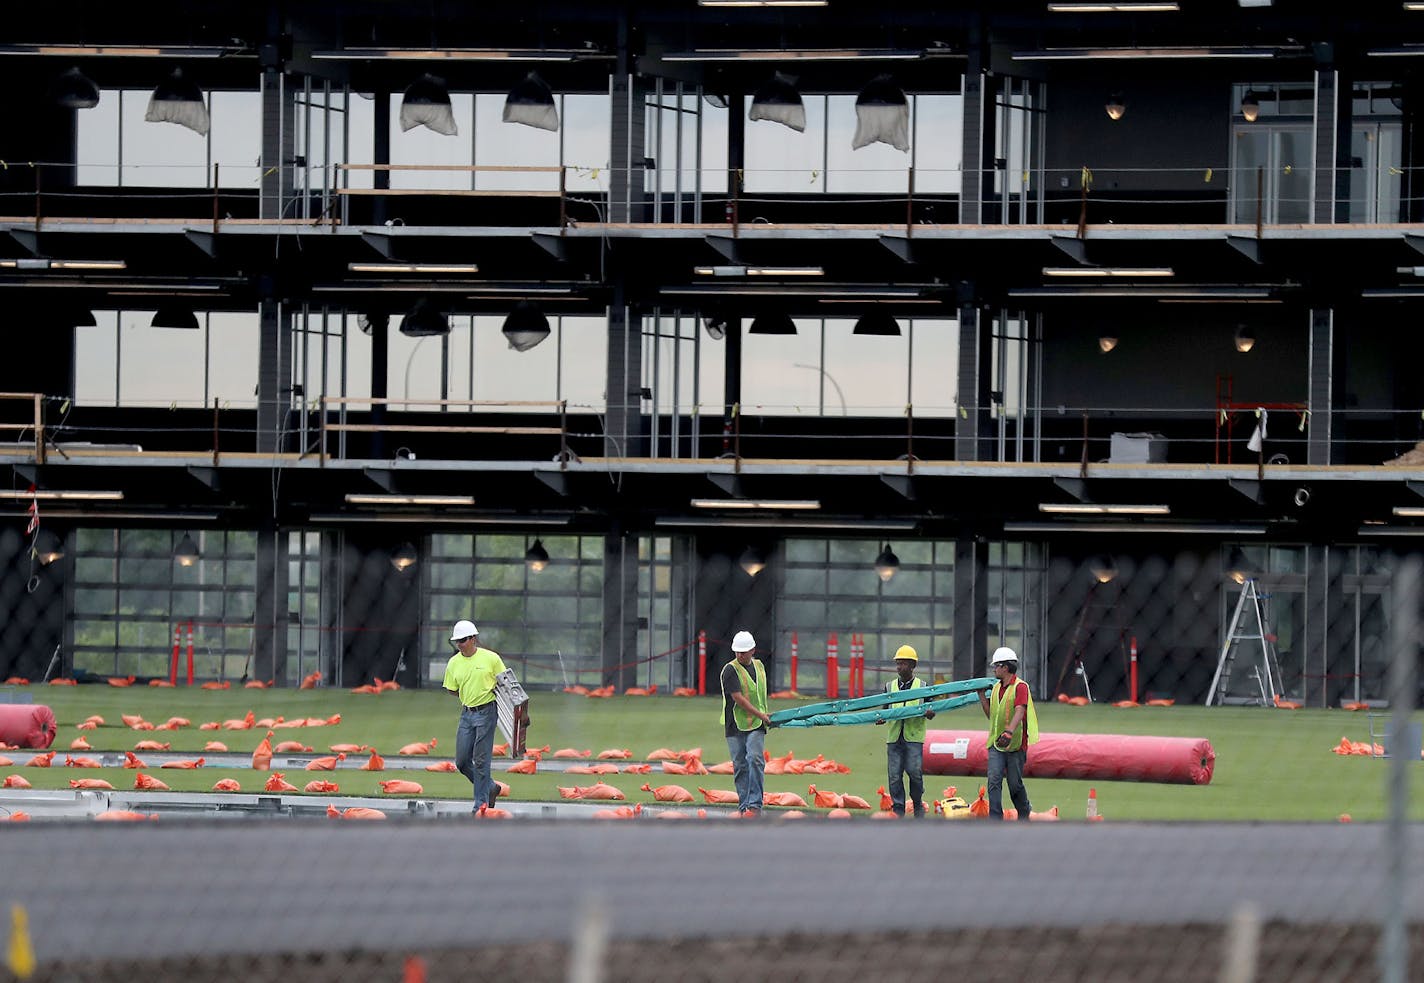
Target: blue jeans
column 748, row 767
column 474, row 747
column 1010, row 765
column 906, row 758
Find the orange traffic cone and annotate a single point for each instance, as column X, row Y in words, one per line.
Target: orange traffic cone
column 1093, row 806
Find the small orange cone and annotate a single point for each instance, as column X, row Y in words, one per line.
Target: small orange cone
column 414, row 970
column 1093, row 806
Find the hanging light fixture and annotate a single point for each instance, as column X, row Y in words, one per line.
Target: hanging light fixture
column 177, row 99
column 424, row 320
column 1116, row 106
column 525, row 326
column 404, row 558
column 1107, row 341
column 877, row 323
column 1236, row 566
column 887, row 564
column 1245, row 339
column 774, row 323
column 1103, row 569
column 752, row 562
column 531, row 102
column 48, row 547
column 426, row 102
column 715, row 325
column 186, row 552
column 174, row 316
column 780, row 102
column 1250, row 106
column 72, row 89
column 882, row 115
column 536, row 557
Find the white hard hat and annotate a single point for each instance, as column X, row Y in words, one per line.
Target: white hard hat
column 463, row 630
column 743, row 642
column 1003, row 655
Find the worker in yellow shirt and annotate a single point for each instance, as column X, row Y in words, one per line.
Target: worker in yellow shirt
column 470, row 675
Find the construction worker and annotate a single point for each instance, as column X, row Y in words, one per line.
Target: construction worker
column 1013, row 726
column 745, row 720
column 905, row 739
column 470, row 675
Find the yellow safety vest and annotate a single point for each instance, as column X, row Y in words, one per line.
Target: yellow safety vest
column 753, row 689
column 1001, row 711
column 914, row 727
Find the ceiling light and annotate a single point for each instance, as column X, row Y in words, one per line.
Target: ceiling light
column 1250, row 107
column 779, row 101
column 410, row 500
column 1093, row 508
column 412, row 267
column 1116, row 106
column 48, row 547
column 878, row 323
column 1114, row 8
column 1156, row 529
column 463, row 54
column 424, row 320
column 1245, row 339
column 1237, row 567
column 509, row 520
column 37, row 263
column 1160, row 51
column 887, row 564
column 738, row 271
column 47, row 494
column 792, row 504
column 404, row 558
column 1107, row 342
column 174, row 316
column 426, row 102
column 177, row 99
column 784, row 522
column 795, row 54
column 531, row 102
column 525, row 326
column 774, row 323
column 763, row 3
column 72, row 89
column 186, row 552
column 752, row 562
column 1103, row 569
column 536, row 557
column 1108, row 271
column 1409, row 511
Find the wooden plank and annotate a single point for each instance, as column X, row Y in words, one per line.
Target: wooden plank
column 386, row 428
column 453, row 168
column 444, row 193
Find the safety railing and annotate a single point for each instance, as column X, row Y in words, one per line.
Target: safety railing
column 342, row 425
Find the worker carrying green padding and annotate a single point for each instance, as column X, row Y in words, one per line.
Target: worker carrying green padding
column 879, row 707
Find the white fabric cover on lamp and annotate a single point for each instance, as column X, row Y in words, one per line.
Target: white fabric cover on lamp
column 882, row 115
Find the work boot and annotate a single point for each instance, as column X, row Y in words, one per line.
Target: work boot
column 919, row 810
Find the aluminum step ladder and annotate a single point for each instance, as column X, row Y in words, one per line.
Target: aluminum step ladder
column 1249, row 625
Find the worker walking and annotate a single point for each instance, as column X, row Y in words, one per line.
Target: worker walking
column 745, row 720
column 1013, row 726
column 470, row 675
column 905, row 739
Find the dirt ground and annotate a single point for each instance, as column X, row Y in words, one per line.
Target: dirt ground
column 1116, row 954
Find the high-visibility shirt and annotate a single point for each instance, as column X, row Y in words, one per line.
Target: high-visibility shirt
column 1001, row 711
column 754, row 688
column 913, row 728
column 472, row 676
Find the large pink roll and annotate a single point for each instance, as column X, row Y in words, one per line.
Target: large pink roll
column 1107, row 757
column 27, row 725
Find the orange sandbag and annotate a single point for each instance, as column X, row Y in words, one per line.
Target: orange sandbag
column 374, row 763
column 418, row 748
column 262, row 755
column 622, row 812
column 854, row 802
column 661, row 754
column 291, row 747
column 783, row 799
column 347, row 748
column 979, row 808
column 18, row 816
column 152, row 746
column 669, row 793
column 149, row 783
column 96, row 783
column 568, row 752
column 277, row 782
column 441, row 766
column 124, row 816
column 132, row 760
column 41, row 760
column 717, row 796
column 1051, row 816
column 80, row 744
column 227, row 785
column 615, row 754
column 355, row 812
column 636, row 769
column 27, row 725
column 327, row 763
column 320, row 785
column 886, row 803
column 825, row 800
column 218, row 746
column 184, row 764
column 601, row 791
column 526, row 767
column 399, row 786
column 838, row 814
column 70, row 761
column 15, row 781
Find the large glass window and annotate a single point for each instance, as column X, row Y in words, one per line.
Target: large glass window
column 117, row 146
column 123, row 361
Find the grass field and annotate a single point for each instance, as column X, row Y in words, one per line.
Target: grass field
column 1270, row 764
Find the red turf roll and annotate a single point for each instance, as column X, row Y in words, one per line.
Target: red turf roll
column 1106, row 757
column 27, row 725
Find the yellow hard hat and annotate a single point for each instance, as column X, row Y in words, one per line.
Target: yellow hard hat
column 906, row 652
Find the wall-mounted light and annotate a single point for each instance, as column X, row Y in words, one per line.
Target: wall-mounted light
column 758, row 504
column 426, row 102
column 1103, row 569
column 536, row 557
column 1245, row 339
column 177, row 99
column 752, row 562
column 887, row 564
column 384, row 500
column 404, row 558
column 1116, row 106
column 1250, row 107
column 186, row 552
column 1107, row 341
column 525, row 326
column 1095, row 508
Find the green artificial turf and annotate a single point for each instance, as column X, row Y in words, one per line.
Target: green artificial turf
column 1270, row 764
